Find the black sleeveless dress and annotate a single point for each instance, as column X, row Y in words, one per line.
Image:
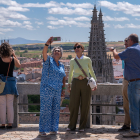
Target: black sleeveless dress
column 4, row 67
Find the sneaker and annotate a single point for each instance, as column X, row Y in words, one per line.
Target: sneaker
column 82, row 130
column 124, row 128
column 131, row 134
column 42, row 134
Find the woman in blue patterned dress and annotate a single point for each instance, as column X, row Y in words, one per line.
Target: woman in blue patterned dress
column 51, row 89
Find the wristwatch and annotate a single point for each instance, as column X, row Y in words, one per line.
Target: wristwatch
column 46, row 44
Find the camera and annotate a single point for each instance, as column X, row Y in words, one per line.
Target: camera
column 56, row 39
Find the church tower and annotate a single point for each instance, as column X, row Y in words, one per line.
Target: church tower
column 101, row 62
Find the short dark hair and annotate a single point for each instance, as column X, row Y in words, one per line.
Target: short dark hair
column 126, row 39
column 134, row 38
column 5, row 50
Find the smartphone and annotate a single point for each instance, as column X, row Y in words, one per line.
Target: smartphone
column 56, row 39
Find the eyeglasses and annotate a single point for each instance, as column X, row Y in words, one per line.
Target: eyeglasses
column 56, row 50
column 77, row 47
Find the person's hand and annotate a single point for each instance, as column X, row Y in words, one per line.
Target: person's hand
column 94, row 88
column 111, row 49
column 63, row 93
column 49, row 41
column 13, row 52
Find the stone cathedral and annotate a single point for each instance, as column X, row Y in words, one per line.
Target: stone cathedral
column 101, row 62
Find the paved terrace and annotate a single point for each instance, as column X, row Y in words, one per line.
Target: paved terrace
column 96, row 132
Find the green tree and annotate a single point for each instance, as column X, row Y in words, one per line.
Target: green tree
column 21, row 55
column 65, row 102
column 34, row 99
column 69, row 57
column 26, row 50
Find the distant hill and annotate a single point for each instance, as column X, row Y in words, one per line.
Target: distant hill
column 20, row 40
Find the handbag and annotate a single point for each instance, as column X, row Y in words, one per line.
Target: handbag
column 2, row 84
column 91, row 80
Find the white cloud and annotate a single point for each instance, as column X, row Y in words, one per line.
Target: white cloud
column 21, row 9
column 39, row 23
column 69, row 23
column 83, row 5
column 137, row 19
column 51, row 18
column 10, row 23
column 132, row 26
column 47, row 5
column 125, row 7
column 51, row 27
column 28, row 27
column 128, row 26
column 78, row 18
column 37, row 26
column 6, row 14
column 9, row 2
column 5, row 29
column 63, row 22
column 54, row 27
column 27, row 22
column 108, row 18
column 67, row 11
column 118, row 26
column 106, row 25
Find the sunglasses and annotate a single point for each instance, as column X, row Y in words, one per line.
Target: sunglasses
column 56, row 50
column 77, row 47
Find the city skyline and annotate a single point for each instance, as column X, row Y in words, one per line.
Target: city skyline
column 38, row 20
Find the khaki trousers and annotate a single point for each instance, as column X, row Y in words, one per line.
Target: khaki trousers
column 6, row 101
column 126, row 103
column 79, row 96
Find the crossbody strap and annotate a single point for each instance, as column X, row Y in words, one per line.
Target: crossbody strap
column 8, row 68
column 80, row 67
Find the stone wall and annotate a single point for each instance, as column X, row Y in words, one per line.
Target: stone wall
column 107, row 89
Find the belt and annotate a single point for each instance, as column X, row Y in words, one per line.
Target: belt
column 80, row 77
column 134, row 80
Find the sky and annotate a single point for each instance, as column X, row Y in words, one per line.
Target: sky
column 40, row 19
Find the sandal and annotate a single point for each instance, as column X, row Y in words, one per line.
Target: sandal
column 42, row 134
column 54, row 133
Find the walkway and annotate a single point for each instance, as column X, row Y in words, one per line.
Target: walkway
column 97, row 132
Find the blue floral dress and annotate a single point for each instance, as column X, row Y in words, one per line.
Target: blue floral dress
column 50, row 95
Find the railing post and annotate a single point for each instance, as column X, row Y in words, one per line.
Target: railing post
column 89, row 121
column 16, row 110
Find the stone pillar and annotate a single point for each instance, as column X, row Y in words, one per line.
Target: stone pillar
column 89, row 121
column 16, row 110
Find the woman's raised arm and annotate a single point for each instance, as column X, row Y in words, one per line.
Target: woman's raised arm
column 45, row 49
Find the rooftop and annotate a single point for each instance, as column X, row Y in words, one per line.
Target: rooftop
column 96, row 132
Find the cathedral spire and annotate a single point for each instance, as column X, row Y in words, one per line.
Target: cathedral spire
column 94, row 18
column 100, row 16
